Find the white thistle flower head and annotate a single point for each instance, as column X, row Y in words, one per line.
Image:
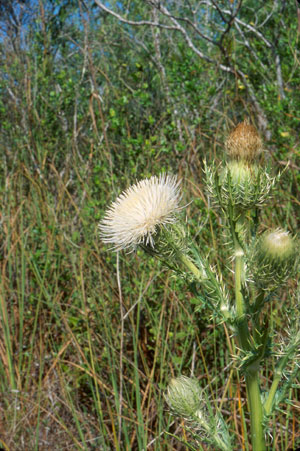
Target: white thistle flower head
column 138, row 213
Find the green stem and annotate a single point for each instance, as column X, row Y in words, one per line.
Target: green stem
column 256, row 411
column 268, row 406
column 240, row 307
column 242, row 326
column 244, row 339
column 252, row 381
column 255, row 317
column 214, row 435
column 272, row 392
column 190, row 266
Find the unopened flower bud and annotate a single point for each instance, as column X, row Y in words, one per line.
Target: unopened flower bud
column 243, row 185
column 275, row 258
column 244, row 143
column 184, row 397
column 277, row 245
column 241, row 173
column 240, row 184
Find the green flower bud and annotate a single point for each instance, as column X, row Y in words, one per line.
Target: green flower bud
column 277, row 245
column 244, row 143
column 274, row 258
column 244, row 186
column 241, row 173
column 184, row 397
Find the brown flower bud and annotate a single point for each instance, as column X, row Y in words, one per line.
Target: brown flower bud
column 244, row 143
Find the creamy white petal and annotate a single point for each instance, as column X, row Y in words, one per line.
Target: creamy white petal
column 136, row 214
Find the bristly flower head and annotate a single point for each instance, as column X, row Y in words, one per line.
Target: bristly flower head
column 277, row 245
column 274, row 259
column 244, row 143
column 140, row 211
column 184, row 397
column 244, row 185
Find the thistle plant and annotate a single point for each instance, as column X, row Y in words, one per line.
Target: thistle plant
column 147, row 215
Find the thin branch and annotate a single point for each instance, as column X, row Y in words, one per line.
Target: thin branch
column 230, row 22
column 248, row 46
column 251, row 28
column 163, row 10
column 279, row 76
column 132, row 22
column 183, row 31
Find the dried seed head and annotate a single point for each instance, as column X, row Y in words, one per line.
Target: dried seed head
column 244, row 143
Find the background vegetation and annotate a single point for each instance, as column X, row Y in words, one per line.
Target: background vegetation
column 89, row 103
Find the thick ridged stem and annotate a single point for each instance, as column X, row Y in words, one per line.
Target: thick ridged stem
column 242, row 326
column 256, row 411
column 252, row 381
column 252, row 374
